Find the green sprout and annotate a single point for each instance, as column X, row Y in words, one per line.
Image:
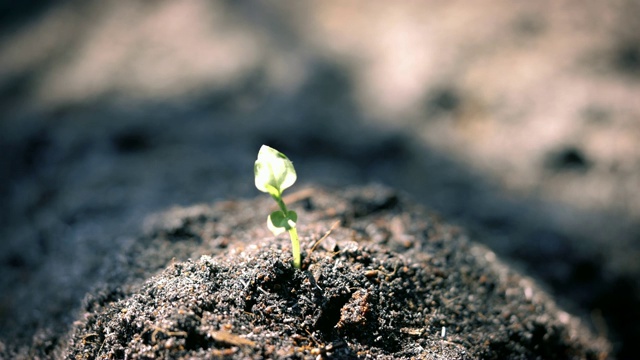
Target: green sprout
column 274, row 173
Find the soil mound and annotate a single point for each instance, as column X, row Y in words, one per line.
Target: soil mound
column 381, row 278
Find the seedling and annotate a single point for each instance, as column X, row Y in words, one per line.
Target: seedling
column 274, row 173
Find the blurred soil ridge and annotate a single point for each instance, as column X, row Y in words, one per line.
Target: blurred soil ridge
column 516, row 120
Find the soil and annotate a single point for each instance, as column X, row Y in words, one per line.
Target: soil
column 381, row 278
column 515, row 120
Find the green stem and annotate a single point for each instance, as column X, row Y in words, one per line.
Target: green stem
column 281, row 204
column 293, row 233
column 295, row 244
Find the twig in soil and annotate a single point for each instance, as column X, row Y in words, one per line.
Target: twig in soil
column 229, row 338
column 412, row 331
column 84, row 338
column 335, row 224
column 222, row 353
column 299, row 338
column 263, row 290
column 313, row 338
column 395, row 270
column 105, row 340
column 156, row 330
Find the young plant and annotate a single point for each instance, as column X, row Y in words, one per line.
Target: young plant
column 274, row 173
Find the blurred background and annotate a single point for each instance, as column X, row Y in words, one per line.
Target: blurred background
column 519, row 121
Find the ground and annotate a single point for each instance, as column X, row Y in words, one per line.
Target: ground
column 381, row 278
column 515, row 120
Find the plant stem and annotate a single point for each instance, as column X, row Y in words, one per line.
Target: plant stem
column 295, row 244
column 281, row 204
column 293, row 233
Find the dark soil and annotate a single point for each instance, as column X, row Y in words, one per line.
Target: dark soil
column 381, row 278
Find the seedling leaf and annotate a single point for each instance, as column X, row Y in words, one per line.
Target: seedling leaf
column 278, row 223
column 273, row 171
